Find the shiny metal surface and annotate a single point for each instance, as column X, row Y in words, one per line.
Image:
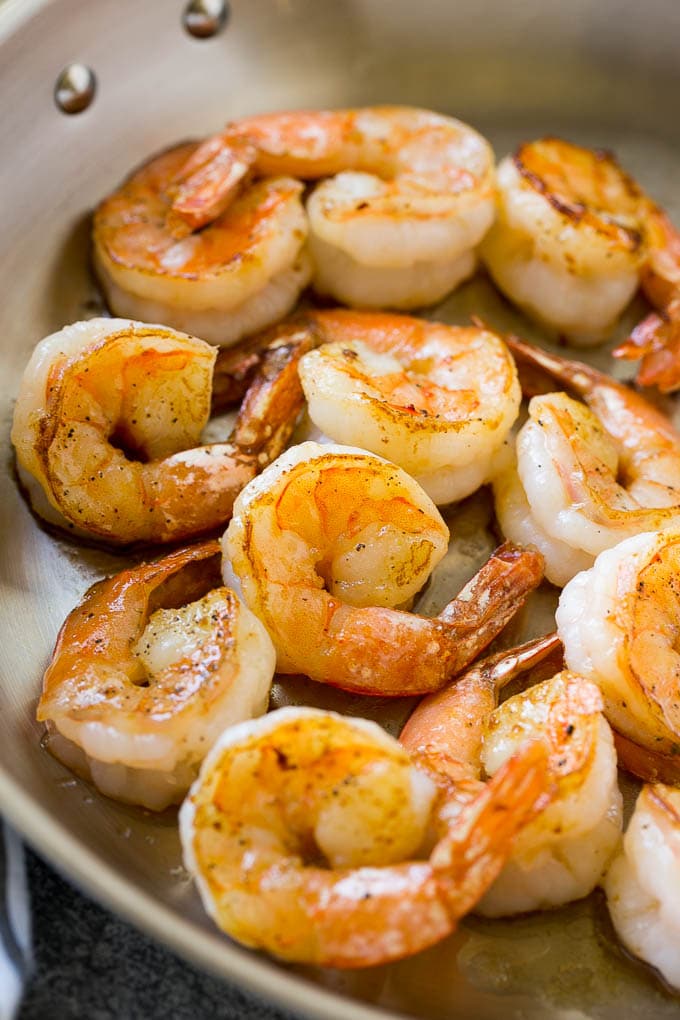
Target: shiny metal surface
column 205, row 18
column 75, row 88
column 603, row 73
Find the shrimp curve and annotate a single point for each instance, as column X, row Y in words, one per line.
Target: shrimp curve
column 242, row 271
column 437, row 400
column 460, row 732
column 300, row 832
column 408, row 195
column 108, row 418
column 591, row 475
column 328, row 540
column 148, row 670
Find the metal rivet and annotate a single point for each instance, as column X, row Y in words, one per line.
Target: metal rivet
column 75, row 88
column 205, row 18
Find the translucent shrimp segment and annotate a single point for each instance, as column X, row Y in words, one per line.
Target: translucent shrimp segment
column 569, row 237
column 642, row 883
column 409, row 195
column 619, row 623
column 148, row 670
column 438, row 400
column 328, row 541
column 240, row 273
column 109, row 420
column 301, row 833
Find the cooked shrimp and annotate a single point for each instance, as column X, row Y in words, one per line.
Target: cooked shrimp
column 569, row 237
column 328, row 541
column 148, row 670
column 301, row 833
column 243, row 271
column 643, row 883
column 408, row 195
column 108, row 418
column 619, row 623
column 438, row 400
column 562, row 854
column 657, row 338
column 595, row 475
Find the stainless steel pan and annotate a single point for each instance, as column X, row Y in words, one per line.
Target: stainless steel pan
column 604, row 73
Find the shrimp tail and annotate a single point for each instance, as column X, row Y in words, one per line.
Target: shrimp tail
column 656, row 340
column 489, row 600
column 274, row 399
column 472, row 853
column 208, row 182
column 651, row 766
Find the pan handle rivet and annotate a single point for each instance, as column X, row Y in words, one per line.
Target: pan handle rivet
column 205, row 18
column 75, row 88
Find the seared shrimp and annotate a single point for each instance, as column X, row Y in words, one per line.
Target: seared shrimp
column 408, row 195
column 563, row 853
column 643, row 883
column 569, row 237
column 438, row 400
column 301, row 833
column 618, row 622
column 657, row 338
column 108, row 418
column 327, row 541
column 594, row 475
column 242, row 272
column 148, row 670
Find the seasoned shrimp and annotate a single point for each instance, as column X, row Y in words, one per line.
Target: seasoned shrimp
column 242, row 272
column 643, row 883
column 563, row 853
column 328, row 540
column 408, row 195
column 108, row 418
column 437, row 400
column 148, row 670
column 657, row 338
column 594, row 475
column 569, row 237
column 301, row 833
column 618, row 622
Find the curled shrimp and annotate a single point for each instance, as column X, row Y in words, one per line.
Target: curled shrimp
column 618, row 622
column 301, row 831
column 569, row 237
column 108, row 421
column 591, row 475
column 148, row 670
column 643, row 882
column 460, row 732
column 328, row 541
column 408, row 195
column 438, row 400
column 656, row 340
column 243, row 271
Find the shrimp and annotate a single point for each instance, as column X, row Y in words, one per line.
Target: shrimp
column 437, row 400
column 242, row 272
column 408, row 195
column 657, row 338
column 561, row 854
column 593, row 475
column 108, row 417
column 301, row 831
column 643, row 882
column 569, row 238
column 327, row 541
column 618, row 622
column 148, row 670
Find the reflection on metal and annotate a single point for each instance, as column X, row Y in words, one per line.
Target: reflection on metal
column 75, row 88
column 205, row 18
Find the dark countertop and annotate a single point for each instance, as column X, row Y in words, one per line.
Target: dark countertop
column 90, row 965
